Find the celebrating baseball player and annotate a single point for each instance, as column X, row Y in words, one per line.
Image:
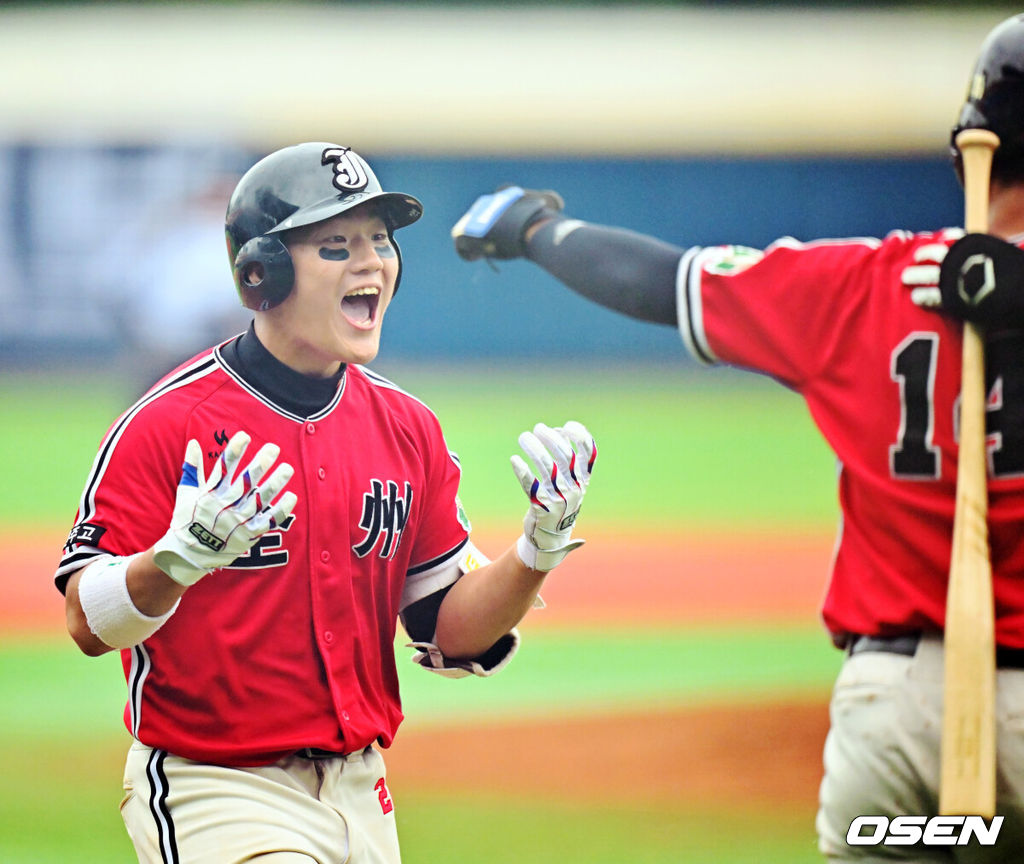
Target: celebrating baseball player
column 255, row 525
column 869, row 332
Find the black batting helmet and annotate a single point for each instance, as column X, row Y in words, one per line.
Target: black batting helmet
column 995, row 98
column 292, row 187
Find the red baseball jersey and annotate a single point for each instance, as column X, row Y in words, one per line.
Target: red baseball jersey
column 291, row 646
column 881, row 378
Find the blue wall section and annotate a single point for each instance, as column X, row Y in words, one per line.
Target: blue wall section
column 92, row 256
column 448, row 308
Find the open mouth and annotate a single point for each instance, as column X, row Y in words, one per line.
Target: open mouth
column 360, row 306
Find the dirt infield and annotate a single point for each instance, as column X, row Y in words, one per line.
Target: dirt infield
column 764, row 755
column 615, row 580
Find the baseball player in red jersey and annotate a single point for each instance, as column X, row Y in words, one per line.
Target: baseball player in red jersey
column 254, row 588
column 868, row 331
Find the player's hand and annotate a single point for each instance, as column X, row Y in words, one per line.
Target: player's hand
column 562, row 461
column 218, row 519
column 981, row 279
column 495, row 226
column 978, row 278
column 922, row 277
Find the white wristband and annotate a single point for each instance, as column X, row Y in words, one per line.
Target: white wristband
column 543, row 559
column 108, row 607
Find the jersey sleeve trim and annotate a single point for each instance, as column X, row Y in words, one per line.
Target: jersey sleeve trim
column 689, row 307
column 440, row 559
column 438, row 573
column 75, row 561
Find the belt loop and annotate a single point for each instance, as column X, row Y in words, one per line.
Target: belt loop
column 315, row 753
column 904, row 645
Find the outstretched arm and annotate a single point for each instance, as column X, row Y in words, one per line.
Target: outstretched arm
column 632, row 273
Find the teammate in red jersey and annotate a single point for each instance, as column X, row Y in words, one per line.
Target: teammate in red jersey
column 851, row 326
column 254, row 590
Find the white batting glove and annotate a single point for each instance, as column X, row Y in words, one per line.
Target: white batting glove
column 217, row 520
column 922, row 277
column 563, row 460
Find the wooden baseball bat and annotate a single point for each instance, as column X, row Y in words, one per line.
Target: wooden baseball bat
column 968, row 782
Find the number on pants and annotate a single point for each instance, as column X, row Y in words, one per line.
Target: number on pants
column 385, row 797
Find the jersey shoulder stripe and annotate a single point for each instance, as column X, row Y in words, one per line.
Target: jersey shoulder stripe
column 793, row 243
column 379, row 381
column 77, row 556
column 182, row 378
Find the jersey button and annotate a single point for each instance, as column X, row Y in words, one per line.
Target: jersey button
column 322, row 474
column 311, row 428
column 325, row 556
column 328, row 636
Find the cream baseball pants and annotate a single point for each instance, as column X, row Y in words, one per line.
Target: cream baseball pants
column 296, row 811
column 882, row 757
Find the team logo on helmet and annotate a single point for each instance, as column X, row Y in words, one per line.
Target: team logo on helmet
column 349, row 174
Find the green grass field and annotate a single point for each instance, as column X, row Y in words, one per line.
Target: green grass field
column 678, row 451
column 676, row 447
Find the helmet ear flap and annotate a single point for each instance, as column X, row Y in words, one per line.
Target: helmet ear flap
column 264, row 273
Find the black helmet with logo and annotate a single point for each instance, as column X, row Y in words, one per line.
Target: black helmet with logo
column 292, row 187
column 995, row 96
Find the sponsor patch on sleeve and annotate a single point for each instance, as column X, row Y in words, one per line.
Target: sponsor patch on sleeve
column 85, row 534
column 460, row 514
column 472, row 559
column 729, row 260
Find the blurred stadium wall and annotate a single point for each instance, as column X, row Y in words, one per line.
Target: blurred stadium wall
column 124, row 126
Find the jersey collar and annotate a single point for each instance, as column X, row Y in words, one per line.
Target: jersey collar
column 298, row 394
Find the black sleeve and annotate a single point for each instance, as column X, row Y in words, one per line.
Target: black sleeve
column 629, row 272
column 420, row 618
column 420, row 621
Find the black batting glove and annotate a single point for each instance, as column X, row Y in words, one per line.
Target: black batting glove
column 496, row 224
column 981, row 279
